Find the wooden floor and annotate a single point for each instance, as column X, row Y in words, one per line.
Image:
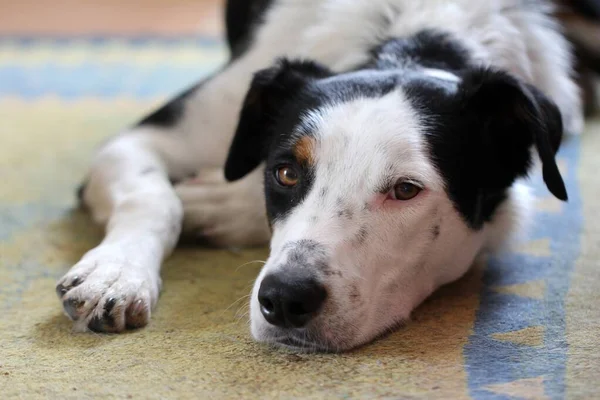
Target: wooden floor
column 117, row 17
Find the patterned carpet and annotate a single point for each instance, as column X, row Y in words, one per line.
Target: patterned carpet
column 522, row 325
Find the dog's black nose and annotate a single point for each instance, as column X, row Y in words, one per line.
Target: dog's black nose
column 290, row 301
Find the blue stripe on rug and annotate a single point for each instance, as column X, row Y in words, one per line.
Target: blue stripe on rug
column 493, row 362
column 26, row 41
column 100, row 81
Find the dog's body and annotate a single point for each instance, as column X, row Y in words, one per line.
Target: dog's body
column 389, row 161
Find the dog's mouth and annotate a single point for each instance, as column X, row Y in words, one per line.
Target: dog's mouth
column 304, row 345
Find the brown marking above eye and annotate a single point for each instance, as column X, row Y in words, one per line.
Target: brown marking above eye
column 304, row 150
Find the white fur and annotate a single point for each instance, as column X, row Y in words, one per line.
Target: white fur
column 441, row 74
column 143, row 214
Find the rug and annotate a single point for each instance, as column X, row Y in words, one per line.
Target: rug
column 521, row 325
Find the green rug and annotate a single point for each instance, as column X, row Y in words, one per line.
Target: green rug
column 524, row 325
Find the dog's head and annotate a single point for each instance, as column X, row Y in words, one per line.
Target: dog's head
column 379, row 188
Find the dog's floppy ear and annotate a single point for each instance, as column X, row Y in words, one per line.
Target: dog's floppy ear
column 269, row 90
column 512, row 117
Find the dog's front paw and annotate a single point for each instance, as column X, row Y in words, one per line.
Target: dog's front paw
column 224, row 213
column 105, row 294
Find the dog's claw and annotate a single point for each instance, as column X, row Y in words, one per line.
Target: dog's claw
column 72, row 307
column 96, row 325
column 61, row 290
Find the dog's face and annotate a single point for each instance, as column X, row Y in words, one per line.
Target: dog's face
column 378, row 189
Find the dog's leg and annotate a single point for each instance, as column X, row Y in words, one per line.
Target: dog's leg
column 224, row 213
column 116, row 284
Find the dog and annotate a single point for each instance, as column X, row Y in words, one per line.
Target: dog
column 381, row 146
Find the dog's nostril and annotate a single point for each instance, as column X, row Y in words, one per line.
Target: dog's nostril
column 266, row 304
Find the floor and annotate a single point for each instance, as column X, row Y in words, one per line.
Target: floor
column 521, row 325
column 115, row 17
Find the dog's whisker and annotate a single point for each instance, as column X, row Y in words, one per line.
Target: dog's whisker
column 237, row 301
column 242, row 310
column 250, row 262
column 242, row 315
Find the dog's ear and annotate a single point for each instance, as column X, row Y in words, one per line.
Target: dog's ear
column 269, row 90
column 512, row 117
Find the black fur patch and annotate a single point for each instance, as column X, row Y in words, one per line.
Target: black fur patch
column 481, row 136
column 272, row 109
column 171, row 113
column 241, row 19
column 588, row 8
column 469, row 140
column 427, row 48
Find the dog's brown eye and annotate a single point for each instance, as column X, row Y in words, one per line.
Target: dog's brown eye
column 405, row 191
column 286, row 176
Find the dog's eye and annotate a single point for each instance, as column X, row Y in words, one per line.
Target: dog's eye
column 286, row 175
column 405, row 191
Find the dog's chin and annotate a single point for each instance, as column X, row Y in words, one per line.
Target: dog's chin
column 306, row 340
column 309, row 341
column 301, row 343
column 313, row 340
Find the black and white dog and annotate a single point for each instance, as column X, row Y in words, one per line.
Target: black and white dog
column 388, row 138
